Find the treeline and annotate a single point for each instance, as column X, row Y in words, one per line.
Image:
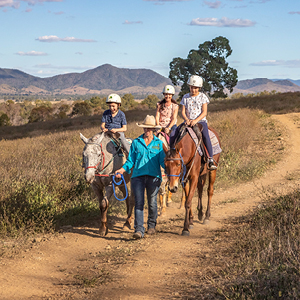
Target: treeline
column 20, row 113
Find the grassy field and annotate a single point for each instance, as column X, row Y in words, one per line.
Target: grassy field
column 42, row 183
column 43, row 188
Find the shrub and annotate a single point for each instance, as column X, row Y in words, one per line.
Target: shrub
column 4, row 120
column 40, row 114
column 81, row 108
column 150, row 101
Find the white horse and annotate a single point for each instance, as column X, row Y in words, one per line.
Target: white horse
column 101, row 158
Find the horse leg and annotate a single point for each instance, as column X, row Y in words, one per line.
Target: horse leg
column 98, row 190
column 201, row 183
column 129, row 207
column 183, row 198
column 103, row 230
column 210, row 192
column 189, row 192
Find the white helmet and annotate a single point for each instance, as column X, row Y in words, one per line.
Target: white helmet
column 169, row 89
column 195, row 80
column 113, row 98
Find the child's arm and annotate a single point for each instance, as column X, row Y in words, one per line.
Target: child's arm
column 186, row 119
column 202, row 115
column 157, row 115
column 122, row 129
column 103, row 127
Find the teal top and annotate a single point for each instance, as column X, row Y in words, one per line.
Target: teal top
column 146, row 160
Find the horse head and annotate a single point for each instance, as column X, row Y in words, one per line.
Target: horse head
column 92, row 155
column 174, row 168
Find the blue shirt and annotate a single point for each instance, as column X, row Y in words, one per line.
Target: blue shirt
column 113, row 122
column 146, row 160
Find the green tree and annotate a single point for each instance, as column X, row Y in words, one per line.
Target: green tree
column 4, row 119
column 98, row 102
column 150, row 101
column 82, row 108
column 128, row 102
column 40, row 114
column 209, row 62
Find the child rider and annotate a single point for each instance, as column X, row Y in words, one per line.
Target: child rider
column 194, row 110
column 114, row 119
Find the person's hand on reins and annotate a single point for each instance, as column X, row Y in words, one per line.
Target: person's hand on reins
column 119, row 172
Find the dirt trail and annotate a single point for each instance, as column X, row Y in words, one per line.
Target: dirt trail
column 54, row 266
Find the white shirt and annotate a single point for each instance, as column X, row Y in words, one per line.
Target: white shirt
column 193, row 105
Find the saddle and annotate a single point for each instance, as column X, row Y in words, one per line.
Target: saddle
column 115, row 138
column 183, row 129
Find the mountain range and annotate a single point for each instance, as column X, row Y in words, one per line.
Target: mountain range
column 106, row 79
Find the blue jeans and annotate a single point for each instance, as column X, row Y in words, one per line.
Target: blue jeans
column 138, row 186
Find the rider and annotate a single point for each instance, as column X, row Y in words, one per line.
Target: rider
column 114, row 119
column 194, row 110
column 167, row 111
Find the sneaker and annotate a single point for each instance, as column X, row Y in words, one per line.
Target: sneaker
column 137, row 235
column 211, row 165
column 151, row 231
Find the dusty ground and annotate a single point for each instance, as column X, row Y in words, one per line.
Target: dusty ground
column 81, row 265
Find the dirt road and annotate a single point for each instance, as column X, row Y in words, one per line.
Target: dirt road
column 81, row 265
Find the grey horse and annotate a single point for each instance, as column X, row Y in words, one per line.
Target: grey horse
column 101, row 158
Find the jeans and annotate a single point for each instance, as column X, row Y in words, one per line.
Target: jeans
column 138, row 186
column 206, row 139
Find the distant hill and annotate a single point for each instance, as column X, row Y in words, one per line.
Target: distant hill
column 263, row 84
column 106, row 79
column 103, row 78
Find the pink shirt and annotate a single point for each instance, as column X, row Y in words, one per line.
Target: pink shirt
column 166, row 114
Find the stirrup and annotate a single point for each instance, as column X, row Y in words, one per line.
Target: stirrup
column 211, row 166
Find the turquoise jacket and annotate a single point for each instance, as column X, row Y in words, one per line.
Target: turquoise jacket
column 146, row 160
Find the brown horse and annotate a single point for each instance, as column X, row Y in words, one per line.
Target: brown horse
column 184, row 164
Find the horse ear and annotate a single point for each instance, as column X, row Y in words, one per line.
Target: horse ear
column 84, row 139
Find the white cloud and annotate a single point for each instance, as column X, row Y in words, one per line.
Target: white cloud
column 215, row 4
column 223, row 22
column 16, row 3
column 31, row 53
column 54, row 38
column 132, row 22
column 271, row 63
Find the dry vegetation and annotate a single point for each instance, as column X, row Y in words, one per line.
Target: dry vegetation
column 42, row 188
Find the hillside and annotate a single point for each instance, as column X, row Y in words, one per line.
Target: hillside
column 105, row 77
column 263, row 84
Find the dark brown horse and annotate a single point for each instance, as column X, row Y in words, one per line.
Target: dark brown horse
column 184, row 164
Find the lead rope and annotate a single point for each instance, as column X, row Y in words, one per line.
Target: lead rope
column 119, row 183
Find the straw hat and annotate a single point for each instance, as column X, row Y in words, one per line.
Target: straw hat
column 149, row 122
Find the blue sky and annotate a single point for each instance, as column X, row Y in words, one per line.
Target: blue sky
column 50, row 37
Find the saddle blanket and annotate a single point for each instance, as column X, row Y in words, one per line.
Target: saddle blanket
column 214, row 141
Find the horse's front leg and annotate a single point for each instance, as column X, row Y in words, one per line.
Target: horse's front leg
column 104, row 204
column 189, row 193
column 210, row 192
column 129, row 206
column 201, row 183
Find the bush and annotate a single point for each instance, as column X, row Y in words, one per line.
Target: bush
column 82, row 108
column 40, row 114
column 4, row 120
column 150, row 101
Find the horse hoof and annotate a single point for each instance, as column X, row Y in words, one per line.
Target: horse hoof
column 103, row 232
column 191, row 226
column 126, row 226
column 205, row 221
column 185, row 233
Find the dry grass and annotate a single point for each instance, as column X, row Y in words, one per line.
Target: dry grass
column 254, row 257
column 42, row 183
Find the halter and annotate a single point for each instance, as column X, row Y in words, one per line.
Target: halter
column 183, row 167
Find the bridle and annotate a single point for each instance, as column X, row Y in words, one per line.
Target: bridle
column 101, row 160
column 182, row 169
